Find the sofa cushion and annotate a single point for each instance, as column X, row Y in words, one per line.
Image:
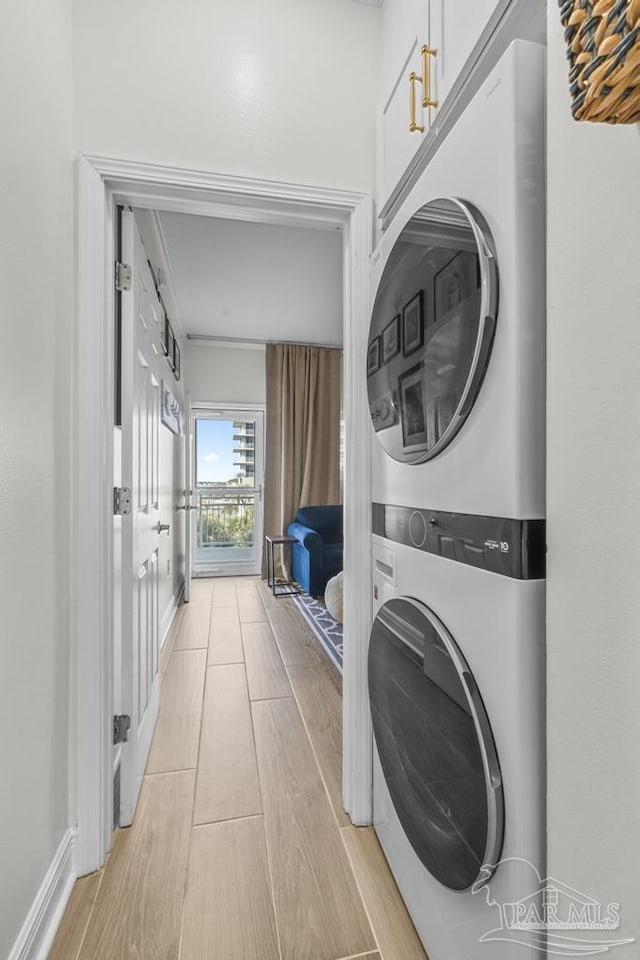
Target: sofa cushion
column 316, row 553
column 332, row 559
column 327, row 521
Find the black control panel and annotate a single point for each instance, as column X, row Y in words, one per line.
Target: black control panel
column 513, row 548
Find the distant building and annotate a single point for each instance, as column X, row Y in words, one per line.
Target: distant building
column 245, row 448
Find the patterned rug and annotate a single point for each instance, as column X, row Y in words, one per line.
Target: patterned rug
column 327, row 630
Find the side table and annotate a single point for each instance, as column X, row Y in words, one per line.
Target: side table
column 281, row 588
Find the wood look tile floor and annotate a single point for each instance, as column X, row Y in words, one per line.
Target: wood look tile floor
column 240, row 848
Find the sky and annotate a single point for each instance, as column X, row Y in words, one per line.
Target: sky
column 214, row 451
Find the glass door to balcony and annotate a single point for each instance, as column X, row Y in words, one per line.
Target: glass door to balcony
column 226, row 511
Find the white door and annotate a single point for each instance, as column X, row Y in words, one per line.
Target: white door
column 141, row 320
column 227, row 478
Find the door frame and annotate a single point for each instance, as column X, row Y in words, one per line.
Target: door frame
column 103, row 182
column 258, row 408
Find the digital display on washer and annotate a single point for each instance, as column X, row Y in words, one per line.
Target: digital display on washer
column 435, row 744
column 431, row 329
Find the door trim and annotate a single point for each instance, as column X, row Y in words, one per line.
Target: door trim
column 103, row 182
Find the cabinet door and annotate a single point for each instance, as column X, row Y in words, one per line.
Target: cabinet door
column 405, row 27
column 455, row 28
column 403, row 23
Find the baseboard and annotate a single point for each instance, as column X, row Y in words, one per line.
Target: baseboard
column 43, row 919
column 167, row 617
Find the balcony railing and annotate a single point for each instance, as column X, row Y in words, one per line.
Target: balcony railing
column 225, row 521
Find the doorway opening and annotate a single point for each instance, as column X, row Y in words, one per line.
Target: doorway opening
column 103, row 184
column 226, row 516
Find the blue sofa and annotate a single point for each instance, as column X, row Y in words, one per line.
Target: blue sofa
column 316, row 555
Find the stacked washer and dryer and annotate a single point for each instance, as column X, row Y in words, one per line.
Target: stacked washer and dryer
column 456, row 382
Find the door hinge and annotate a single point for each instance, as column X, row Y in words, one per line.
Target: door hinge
column 121, row 501
column 121, row 725
column 123, row 276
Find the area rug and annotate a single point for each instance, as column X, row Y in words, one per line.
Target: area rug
column 327, row 630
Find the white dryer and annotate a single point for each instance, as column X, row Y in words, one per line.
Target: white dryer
column 456, row 681
column 456, row 353
column 455, row 372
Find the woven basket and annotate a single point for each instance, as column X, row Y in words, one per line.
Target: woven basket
column 603, row 40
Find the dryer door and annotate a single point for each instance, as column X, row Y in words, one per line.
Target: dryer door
column 435, row 744
column 431, row 330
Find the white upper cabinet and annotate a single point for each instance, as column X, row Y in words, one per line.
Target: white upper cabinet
column 405, row 29
column 425, row 45
column 456, row 26
column 403, row 23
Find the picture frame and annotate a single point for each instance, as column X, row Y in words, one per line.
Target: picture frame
column 373, row 356
column 171, row 340
column 413, row 407
column 384, row 411
column 455, row 283
column 413, row 324
column 391, row 340
column 164, row 334
column 170, row 410
column 176, row 359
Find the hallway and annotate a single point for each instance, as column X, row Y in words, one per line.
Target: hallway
column 240, row 849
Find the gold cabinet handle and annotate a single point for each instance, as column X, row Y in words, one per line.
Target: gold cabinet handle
column 414, row 127
column 426, row 77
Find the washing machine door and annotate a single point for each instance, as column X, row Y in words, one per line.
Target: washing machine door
column 435, row 744
column 432, row 329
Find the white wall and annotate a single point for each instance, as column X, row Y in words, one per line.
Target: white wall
column 222, row 374
column 283, row 90
column 36, row 217
column 593, row 501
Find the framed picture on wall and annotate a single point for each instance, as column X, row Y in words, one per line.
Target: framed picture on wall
column 455, row 283
column 176, row 358
column 171, row 411
column 413, row 324
column 171, row 343
column 384, row 411
column 163, row 335
column 391, row 339
column 412, row 407
column 373, row 356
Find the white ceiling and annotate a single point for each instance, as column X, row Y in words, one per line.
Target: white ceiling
column 254, row 281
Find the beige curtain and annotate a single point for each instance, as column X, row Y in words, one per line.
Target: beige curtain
column 302, row 465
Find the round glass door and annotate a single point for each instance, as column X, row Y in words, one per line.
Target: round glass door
column 435, row 744
column 431, row 330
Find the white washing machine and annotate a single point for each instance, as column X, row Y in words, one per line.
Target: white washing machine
column 456, row 354
column 455, row 373
column 456, row 681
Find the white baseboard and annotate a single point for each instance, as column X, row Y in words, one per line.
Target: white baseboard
column 167, row 617
column 43, row 919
